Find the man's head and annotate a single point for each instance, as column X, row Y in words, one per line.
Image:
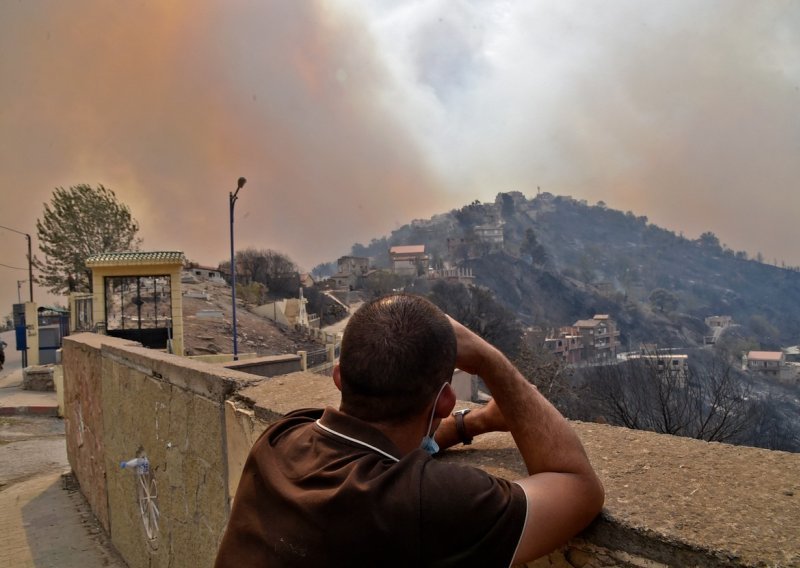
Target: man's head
column 396, row 353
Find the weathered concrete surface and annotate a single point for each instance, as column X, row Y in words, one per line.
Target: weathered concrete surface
column 679, row 501
column 83, row 415
column 675, row 501
column 123, row 402
column 272, row 398
column 257, row 406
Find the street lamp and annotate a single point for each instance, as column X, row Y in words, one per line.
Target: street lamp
column 30, row 258
column 233, row 198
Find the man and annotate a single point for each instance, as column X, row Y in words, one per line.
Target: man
column 357, row 486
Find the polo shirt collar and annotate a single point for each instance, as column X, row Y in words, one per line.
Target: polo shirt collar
column 357, row 431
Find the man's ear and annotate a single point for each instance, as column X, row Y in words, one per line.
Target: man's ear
column 446, row 402
column 337, row 377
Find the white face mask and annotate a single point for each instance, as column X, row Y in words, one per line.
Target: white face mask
column 428, row 443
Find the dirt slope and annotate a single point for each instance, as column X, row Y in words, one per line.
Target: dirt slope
column 208, row 333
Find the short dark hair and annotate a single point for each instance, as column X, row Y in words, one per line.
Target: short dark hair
column 397, row 351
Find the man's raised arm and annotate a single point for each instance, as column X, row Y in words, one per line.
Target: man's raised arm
column 564, row 494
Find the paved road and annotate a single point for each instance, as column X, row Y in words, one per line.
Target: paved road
column 341, row 324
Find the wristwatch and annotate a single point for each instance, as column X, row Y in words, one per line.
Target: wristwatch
column 461, row 430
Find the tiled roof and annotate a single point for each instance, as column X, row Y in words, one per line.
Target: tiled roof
column 135, row 257
column 408, row 249
column 587, row 323
column 764, row 355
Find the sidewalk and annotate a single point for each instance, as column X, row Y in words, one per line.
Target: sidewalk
column 44, row 519
column 14, row 401
column 45, row 525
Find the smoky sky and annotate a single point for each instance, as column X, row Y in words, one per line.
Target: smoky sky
column 349, row 118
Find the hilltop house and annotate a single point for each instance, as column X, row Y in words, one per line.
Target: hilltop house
column 599, row 337
column 765, row 362
column 409, row 260
column 667, row 364
column 567, row 346
column 351, row 271
column 586, row 340
column 491, row 233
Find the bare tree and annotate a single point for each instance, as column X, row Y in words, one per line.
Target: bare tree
column 477, row 308
column 550, row 374
column 276, row 271
column 708, row 401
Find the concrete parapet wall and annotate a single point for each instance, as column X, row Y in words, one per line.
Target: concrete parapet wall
column 269, row 366
column 223, row 357
column 670, row 501
column 83, row 416
column 122, row 402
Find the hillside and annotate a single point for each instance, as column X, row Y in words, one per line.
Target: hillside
column 562, row 259
column 212, row 333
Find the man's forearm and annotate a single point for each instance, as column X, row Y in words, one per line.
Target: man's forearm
column 545, row 439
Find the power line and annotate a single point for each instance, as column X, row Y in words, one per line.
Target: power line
column 14, row 267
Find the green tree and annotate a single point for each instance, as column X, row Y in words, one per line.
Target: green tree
column 77, row 223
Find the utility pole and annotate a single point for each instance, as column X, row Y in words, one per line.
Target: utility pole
column 30, row 258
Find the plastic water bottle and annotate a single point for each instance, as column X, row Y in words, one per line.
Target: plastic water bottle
column 142, row 465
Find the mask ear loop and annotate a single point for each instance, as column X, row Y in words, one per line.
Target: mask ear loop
column 433, row 410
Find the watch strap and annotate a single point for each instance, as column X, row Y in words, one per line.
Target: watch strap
column 461, row 429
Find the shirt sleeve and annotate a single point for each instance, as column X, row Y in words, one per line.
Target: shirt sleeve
column 468, row 517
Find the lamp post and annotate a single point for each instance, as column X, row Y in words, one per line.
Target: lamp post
column 30, row 258
column 233, row 198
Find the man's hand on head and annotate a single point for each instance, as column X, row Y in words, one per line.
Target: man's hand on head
column 561, row 486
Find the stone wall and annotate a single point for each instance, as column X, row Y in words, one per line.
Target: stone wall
column 669, row 501
column 123, row 402
column 83, row 417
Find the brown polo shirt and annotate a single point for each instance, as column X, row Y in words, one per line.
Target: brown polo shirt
column 326, row 489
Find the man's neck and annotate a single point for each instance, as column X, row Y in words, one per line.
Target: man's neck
column 406, row 436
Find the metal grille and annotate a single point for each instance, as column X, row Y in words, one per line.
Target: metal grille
column 83, row 314
column 316, row 358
